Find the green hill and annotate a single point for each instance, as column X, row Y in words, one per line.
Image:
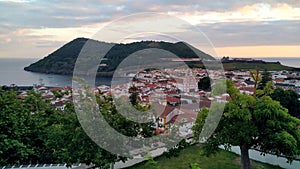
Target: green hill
column 62, row 60
column 260, row 65
column 252, row 65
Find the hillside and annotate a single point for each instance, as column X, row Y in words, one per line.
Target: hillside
column 255, row 64
column 249, row 65
column 62, row 60
column 194, row 154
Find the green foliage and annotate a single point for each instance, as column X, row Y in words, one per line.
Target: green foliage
column 204, row 83
column 194, row 155
column 288, row 99
column 175, row 151
column 219, row 87
column 133, row 95
column 62, row 61
column 254, row 122
column 151, row 163
column 194, row 166
column 57, row 94
column 260, row 66
column 232, row 90
column 266, row 77
column 13, row 126
column 199, row 123
column 34, row 132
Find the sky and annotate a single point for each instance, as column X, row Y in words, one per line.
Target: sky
column 248, row 28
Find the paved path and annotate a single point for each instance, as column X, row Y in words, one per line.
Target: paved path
column 138, row 159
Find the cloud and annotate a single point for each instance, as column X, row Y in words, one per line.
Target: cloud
column 54, row 14
column 248, row 13
column 45, row 24
column 253, row 33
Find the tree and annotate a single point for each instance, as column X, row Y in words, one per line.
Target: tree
column 108, row 122
column 133, row 95
column 288, row 99
column 175, row 151
column 266, row 77
column 200, row 121
column 204, row 83
column 68, row 143
column 13, row 147
column 254, row 122
column 34, row 132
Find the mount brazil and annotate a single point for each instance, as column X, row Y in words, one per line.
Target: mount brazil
column 62, row 61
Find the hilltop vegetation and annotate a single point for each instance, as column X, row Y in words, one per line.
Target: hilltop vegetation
column 260, row 66
column 62, row 61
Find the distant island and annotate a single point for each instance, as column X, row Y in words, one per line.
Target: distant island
column 62, row 61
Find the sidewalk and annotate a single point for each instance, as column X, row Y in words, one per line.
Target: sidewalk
column 139, row 159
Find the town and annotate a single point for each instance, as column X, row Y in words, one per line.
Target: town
column 174, row 94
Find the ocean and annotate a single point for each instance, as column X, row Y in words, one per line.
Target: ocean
column 288, row 61
column 11, row 72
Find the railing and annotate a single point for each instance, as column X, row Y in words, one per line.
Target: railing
column 41, row 166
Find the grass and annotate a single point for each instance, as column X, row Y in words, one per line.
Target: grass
column 193, row 154
column 260, row 66
column 248, row 66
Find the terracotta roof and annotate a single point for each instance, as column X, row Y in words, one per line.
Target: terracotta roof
column 162, row 110
column 55, row 89
column 68, row 87
column 193, row 106
column 205, row 102
column 187, row 115
column 173, row 99
column 21, row 97
column 158, row 131
column 151, row 85
column 249, row 89
column 145, row 98
column 279, row 80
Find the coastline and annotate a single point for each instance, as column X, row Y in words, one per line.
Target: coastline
column 231, row 64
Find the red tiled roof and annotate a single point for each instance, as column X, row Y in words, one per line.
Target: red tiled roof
column 162, row 110
column 174, row 119
column 21, row 97
column 151, row 85
column 188, row 115
column 55, row 89
column 204, row 102
column 158, row 131
column 178, row 80
column 145, row 98
column 68, row 87
column 279, row 80
column 171, row 92
column 173, row 99
column 249, row 89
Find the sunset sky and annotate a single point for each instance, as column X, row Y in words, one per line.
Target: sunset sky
column 248, row 28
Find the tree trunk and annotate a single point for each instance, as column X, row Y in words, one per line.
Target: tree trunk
column 245, row 160
column 112, row 165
